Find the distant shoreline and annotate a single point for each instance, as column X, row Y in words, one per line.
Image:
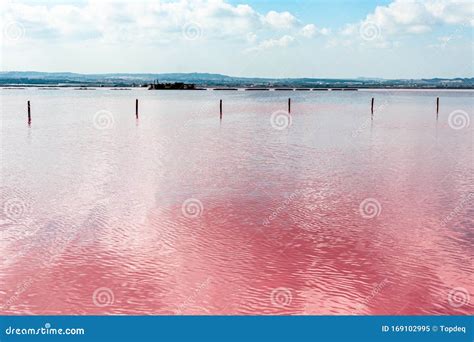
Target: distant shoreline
column 223, row 89
column 223, row 82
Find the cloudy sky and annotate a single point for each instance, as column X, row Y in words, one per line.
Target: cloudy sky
column 269, row 38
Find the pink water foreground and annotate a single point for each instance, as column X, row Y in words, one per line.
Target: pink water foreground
column 178, row 213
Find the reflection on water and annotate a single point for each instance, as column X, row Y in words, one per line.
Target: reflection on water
column 321, row 212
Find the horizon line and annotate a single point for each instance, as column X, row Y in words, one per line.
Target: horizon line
column 225, row 75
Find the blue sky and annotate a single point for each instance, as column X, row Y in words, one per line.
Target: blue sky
column 303, row 38
column 325, row 12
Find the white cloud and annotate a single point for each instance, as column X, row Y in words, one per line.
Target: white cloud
column 282, row 20
column 251, row 37
column 282, row 42
column 310, row 30
column 443, row 41
column 149, row 23
column 154, row 21
column 402, row 17
column 154, row 36
column 325, row 31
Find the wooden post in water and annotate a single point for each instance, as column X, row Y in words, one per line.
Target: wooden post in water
column 437, row 106
column 289, row 105
column 220, row 109
column 136, row 108
column 29, row 113
column 372, row 107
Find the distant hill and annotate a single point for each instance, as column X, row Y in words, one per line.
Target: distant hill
column 34, row 78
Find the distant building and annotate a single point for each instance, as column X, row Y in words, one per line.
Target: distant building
column 171, row 86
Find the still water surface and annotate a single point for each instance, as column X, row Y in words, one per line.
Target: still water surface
column 326, row 212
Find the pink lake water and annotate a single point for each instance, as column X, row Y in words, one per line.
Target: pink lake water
column 179, row 213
